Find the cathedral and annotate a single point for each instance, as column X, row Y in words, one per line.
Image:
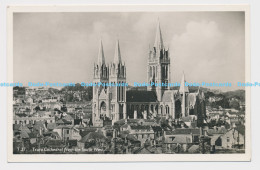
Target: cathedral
column 116, row 102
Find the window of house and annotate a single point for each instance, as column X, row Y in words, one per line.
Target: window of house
column 68, row 131
column 172, row 138
column 228, row 140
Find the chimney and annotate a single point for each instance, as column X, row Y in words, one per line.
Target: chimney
column 114, row 133
column 135, row 114
column 40, row 131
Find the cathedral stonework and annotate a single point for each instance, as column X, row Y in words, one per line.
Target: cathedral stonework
column 109, row 103
column 114, row 103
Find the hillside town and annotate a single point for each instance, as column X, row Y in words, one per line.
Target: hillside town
column 126, row 120
column 52, row 124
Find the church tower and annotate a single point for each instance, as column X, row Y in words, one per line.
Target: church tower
column 101, row 75
column 117, row 75
column 184, row 92
column 158, row 68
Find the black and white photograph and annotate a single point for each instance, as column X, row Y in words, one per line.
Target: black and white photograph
column 116, row 82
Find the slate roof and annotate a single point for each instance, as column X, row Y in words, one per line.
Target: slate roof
column 219, row 130
column 40, row 122
column 33, row 135
column 120, row 122
column 94, row 136
column 63, row 121
column 139, row 127
column 72, row 142
column 132, row 138
column 157, row 128
column 167, row 96
column 54, row 143
column 26, row 129
column 68, row 117
column 241, row 129
column 51, row 126
column 183, row 131
column 17, row 126
column 24, row 134
column 178, row 139
column 38, row 126
column 125, row 134
column 141, row 96
column 86, row 132
column 133, row 121
column 194, row 149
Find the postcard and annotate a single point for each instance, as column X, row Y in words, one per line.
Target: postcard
column 123, row 83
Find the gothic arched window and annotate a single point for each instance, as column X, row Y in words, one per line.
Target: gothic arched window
column 167, row 109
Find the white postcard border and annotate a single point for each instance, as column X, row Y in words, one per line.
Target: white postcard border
column 128, row 157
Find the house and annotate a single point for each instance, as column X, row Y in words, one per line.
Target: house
column 215, row 133
column 233, row 138
column 142, row 133
column 92, row 139
column 181, row 137
column 68, row 132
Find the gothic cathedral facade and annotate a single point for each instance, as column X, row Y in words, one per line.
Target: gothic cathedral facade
column 116, row 102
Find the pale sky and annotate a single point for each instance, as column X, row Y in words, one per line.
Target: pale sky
column 62, row 47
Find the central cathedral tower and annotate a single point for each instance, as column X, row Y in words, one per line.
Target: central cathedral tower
column 158, row 67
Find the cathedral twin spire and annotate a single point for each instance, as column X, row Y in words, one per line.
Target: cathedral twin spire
column 101, row 56
column 117, row 57
column 158, row 44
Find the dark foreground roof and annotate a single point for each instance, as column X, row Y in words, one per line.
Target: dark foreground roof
column 140, row 96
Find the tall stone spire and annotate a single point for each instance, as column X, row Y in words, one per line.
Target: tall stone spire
column 158, row 43
column 117, row 57
column 183, row 88
column 101, row 57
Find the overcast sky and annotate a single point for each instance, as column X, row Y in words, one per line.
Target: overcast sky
column 62, row 47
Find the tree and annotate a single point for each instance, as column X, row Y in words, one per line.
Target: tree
column 37, row 108
column 234, row 104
